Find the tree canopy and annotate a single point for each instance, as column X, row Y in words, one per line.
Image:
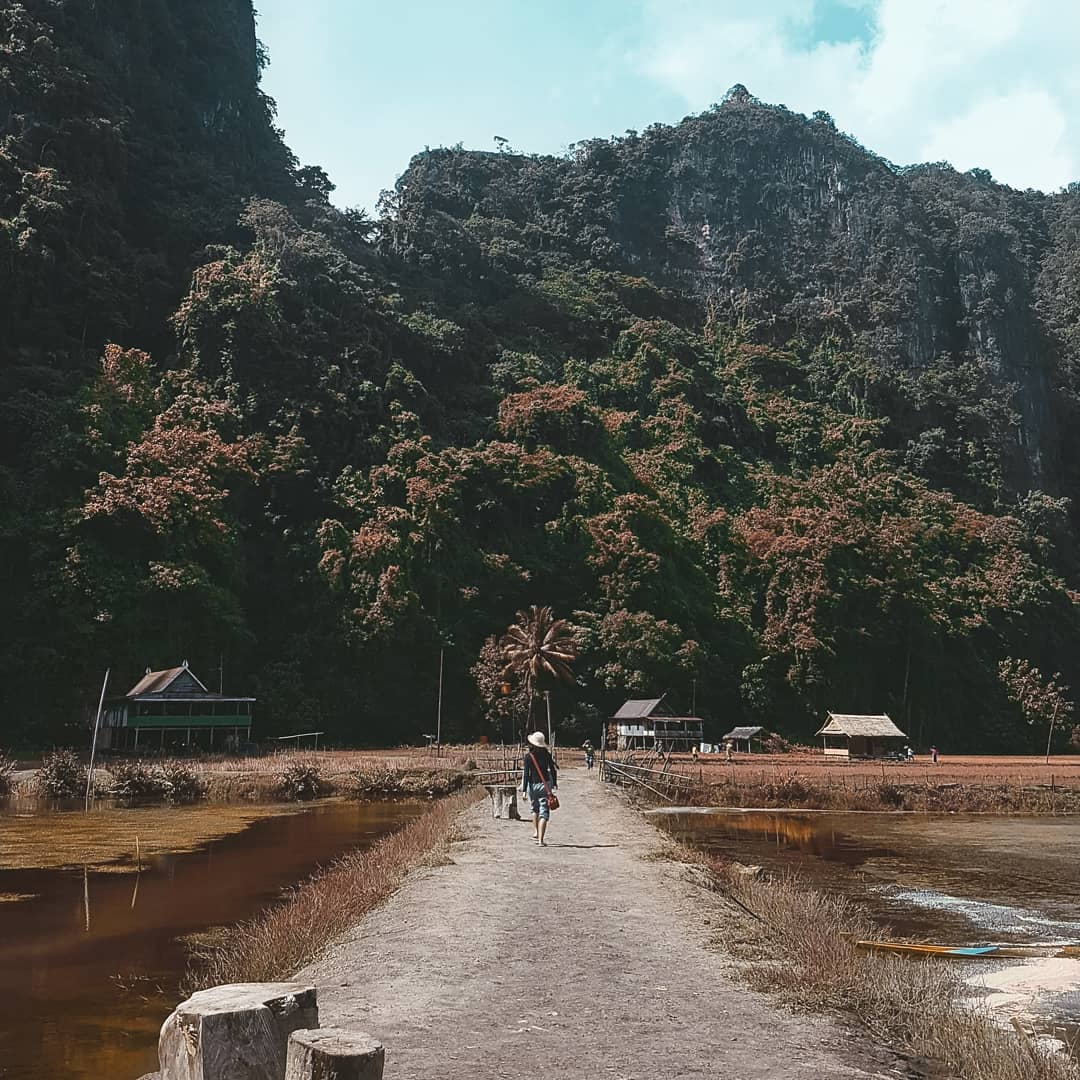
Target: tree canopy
column 751, row 408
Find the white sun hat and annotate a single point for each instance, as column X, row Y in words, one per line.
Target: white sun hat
column 537, row 739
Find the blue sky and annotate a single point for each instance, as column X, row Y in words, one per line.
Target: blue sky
column 362, row 85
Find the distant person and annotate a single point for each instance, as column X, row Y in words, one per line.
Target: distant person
column 590, row 754
column 909, row 754
column 727, row 752
column 539, row 778
column 694, row 752
column 933, row 754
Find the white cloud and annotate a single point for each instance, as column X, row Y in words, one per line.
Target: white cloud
column 987, row 83
column 1019, row 136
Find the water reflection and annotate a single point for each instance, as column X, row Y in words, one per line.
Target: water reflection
column 939, row 878
column 90, row 963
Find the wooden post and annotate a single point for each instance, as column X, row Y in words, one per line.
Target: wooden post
column 438, row 708
column 93, row 744
column 333, row 1054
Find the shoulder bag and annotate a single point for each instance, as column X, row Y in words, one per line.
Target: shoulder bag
column 552, row 798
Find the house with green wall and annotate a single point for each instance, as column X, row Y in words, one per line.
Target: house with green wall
column 171, row 709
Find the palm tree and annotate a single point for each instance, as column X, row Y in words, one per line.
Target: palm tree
column 538, row 648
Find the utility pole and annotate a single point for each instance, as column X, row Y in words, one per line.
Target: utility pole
column 438, row 713
column 547, row 698
column 693, row 698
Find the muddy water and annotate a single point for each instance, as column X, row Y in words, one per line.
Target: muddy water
column 947, row 880
column 90, row 962
column 939, row 878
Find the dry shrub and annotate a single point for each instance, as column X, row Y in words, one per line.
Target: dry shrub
column 134, row 780
column 62, row 776
column 181, row 782
column 300, row 781
column 384, row 782
column 284, row 939
column 922, row 1003
column 177, row 781
column 7, row 768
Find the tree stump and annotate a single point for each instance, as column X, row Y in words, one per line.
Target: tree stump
column 237, row 1032
column 503, row 801
column 333, row 1054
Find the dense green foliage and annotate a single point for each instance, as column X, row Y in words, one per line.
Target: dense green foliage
column 741, row 401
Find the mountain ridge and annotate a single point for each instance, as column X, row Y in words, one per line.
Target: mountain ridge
column 753, row 408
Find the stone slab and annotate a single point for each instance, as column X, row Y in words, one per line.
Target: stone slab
column 235, row 1032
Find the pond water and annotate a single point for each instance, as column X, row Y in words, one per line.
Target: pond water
column 940, row 878
column 943, row 879
column 90, row 961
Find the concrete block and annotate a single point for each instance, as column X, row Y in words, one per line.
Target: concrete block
column 237, row 1032
column 333, row 1054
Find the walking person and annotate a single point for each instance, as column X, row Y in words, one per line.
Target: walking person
column 933, row 754
column 590, row 754
column 539, row 779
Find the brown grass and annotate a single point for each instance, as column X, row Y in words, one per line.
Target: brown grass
column 792, row 789
column 868, row 787
column 798, row 942
column 291, row 935
column 1013, row 770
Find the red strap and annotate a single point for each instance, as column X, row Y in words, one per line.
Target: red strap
column 540, row 772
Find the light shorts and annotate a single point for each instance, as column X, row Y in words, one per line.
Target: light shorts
column 538, row 798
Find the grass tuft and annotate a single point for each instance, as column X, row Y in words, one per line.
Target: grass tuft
column 7, row 768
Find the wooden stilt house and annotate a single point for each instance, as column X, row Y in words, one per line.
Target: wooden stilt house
column 173, row 708
column 647, row 724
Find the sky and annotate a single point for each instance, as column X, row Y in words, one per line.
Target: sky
column 362, row 85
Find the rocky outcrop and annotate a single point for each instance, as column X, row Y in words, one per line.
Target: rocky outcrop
column 786, row 226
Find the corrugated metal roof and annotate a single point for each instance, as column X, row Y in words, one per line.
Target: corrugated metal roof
column 154, row 682
column 208, row 696
column 869, row 727
column 744, row 732
column 636, row 709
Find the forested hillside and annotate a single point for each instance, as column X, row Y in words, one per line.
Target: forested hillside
column 744, row 402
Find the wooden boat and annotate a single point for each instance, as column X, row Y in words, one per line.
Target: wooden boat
column 970, row 952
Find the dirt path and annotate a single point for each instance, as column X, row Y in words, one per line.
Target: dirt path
column 588, row 958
